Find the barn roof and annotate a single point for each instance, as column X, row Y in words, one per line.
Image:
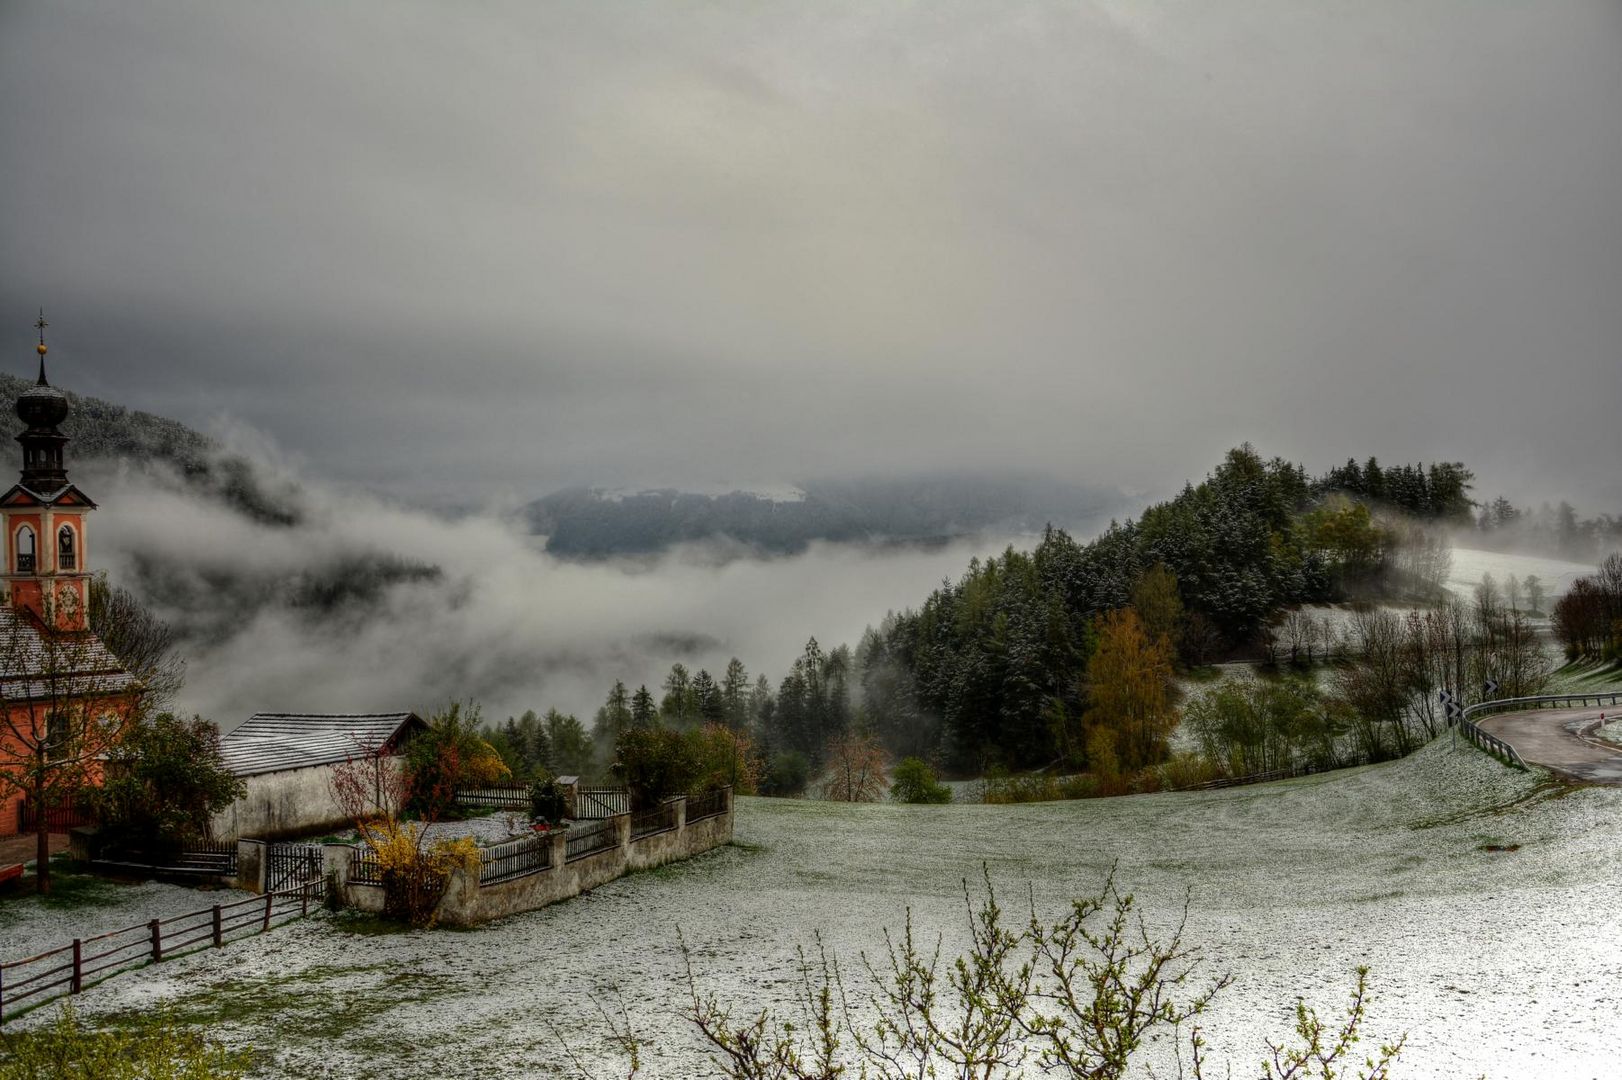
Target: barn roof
column 69, row 664
column 272, row 742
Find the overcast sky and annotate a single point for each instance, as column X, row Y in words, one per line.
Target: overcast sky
column 481, row 251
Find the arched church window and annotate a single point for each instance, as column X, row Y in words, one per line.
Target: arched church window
column 25, row 550
column 67, row 555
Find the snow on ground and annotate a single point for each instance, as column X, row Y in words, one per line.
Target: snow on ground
column 1507, row 963
column 1556, row 575
column 86, row 906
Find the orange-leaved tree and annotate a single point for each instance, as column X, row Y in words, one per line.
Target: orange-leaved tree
column 373, row 789
column 1129, row 715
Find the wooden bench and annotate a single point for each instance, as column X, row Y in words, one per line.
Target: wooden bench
column 11, row 873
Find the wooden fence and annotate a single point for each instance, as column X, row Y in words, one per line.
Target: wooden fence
column 502, row 798
column 70, row 968
column 58, row 818
column 1307, row 769
column 206, row 858
column 595, row 804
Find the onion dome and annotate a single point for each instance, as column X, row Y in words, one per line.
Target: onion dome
column 42, row 405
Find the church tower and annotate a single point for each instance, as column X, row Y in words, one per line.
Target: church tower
column 44, row 515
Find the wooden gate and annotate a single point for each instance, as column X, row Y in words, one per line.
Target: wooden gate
column 289, row 866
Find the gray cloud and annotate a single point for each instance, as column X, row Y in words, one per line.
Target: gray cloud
column 460, row 253
column 503, row 623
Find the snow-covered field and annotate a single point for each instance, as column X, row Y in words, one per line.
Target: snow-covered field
column 1556, row 575
column 1507, row 963
column 29, row 926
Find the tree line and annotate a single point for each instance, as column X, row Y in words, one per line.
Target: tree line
column 1064, row 654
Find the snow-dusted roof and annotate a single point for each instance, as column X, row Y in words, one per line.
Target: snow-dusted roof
column 272, row 742
column 67, row 665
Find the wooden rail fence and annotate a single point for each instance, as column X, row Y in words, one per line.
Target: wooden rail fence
column 69, row 968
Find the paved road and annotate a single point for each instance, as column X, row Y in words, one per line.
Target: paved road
column 1555, row 739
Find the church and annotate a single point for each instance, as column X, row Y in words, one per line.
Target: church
column 60, row 688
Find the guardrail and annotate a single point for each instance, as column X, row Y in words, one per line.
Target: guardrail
column 70, row 968
column 1492, row 744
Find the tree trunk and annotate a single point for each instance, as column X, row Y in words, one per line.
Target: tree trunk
column 42, row 847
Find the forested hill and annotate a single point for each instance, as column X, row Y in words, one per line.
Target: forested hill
column 992, row 667
column 589, row 523
column 101, row 430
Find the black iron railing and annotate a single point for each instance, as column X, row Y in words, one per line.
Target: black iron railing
column 706, row 805
column 655, row 819
column 587, row 840
column 515, row 859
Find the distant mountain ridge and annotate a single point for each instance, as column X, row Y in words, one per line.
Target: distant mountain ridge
column 592, row 523
column 102, row 430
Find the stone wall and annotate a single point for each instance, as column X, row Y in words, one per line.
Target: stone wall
column 467, row 903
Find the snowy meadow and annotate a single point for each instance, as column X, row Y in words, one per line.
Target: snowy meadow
column 1486, row 902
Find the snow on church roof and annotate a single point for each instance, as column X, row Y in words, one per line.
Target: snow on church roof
column 272, row 742
column 69, row 664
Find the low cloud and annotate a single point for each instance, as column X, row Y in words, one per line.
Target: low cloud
column 471, row 608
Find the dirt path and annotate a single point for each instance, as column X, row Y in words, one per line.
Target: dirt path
column 1556, row 739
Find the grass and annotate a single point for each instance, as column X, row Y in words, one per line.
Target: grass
column 70, row 891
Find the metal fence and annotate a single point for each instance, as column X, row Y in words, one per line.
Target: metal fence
column 502, row 798
column 706, row 805
column 515, row 859
column 591, row 839
column 69, row 968
column 1492, row 744
column 655, row 819
column 594, row 804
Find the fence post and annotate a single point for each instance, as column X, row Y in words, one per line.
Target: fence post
column 267, row 910
column 217, row 941
column 78, row 976
column 157, row 939
column 304, row 899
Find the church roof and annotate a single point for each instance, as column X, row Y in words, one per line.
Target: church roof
column 65, row 495
column 272, row 742
column 36, row 666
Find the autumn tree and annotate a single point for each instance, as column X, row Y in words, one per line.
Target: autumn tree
column 1127, row 682
column 854, row 769
column 65, row 702
column 450, row 755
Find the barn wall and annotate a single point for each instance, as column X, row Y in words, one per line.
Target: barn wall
column 293, row 802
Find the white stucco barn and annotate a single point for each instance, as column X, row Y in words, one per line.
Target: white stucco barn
column 287, row 761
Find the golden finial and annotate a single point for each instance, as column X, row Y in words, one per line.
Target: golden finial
column 40, row 324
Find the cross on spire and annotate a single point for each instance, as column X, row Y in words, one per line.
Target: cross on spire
column 40, row 324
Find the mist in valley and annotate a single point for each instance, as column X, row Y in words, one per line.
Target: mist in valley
column 367, row 604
